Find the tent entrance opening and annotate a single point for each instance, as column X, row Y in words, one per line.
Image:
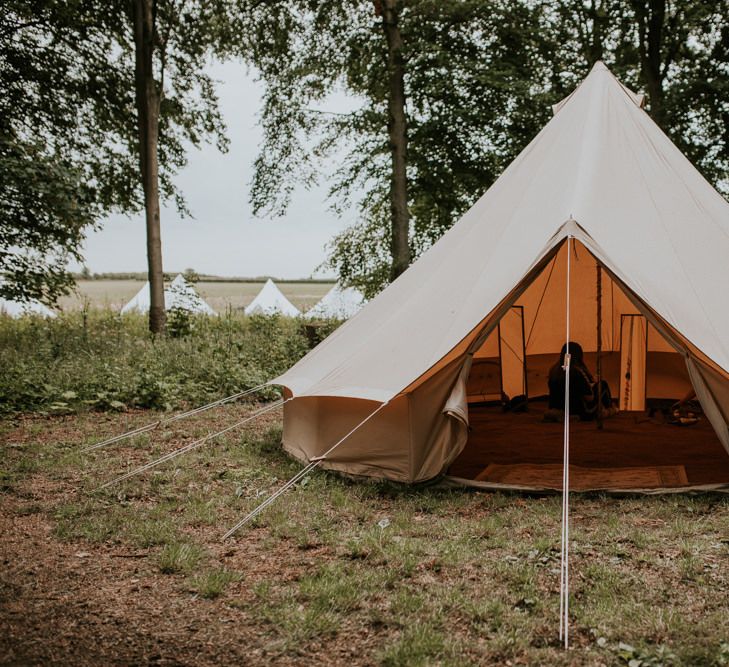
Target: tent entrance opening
column 643, row 442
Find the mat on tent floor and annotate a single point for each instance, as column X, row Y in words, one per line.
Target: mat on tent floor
column 631, row 451
column 549, row 476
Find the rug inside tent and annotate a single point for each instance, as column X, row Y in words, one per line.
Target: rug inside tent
column 632, row 451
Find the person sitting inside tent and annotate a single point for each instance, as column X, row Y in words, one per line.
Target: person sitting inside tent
column 584, row 391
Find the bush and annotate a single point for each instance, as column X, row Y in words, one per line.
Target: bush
column 98, row 360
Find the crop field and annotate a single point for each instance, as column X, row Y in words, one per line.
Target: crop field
column 220, row 295
column 336, row 572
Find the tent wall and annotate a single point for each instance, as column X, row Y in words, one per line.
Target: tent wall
column 380, row 448
column 422, row 430
column 412, row 439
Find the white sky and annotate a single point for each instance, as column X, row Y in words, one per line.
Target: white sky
column 224, row 238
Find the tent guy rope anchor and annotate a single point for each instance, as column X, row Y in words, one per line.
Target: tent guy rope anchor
column 194, row 445
column 314, row 463
column 174, row 418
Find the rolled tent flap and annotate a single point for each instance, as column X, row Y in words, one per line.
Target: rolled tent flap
column 712, row 390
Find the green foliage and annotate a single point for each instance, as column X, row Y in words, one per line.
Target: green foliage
column 48, row 192
column 69, row 146
column 179, row 557
column 179, row 322
column 480, row 80
column 100, row 361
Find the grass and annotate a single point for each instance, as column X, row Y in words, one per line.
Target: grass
column 211, row 584
column 179, row 557
column 363, row 573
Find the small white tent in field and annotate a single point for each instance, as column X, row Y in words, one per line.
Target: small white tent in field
column 139, row 303
column 338, row 303
column 19, row 309
column 180, row 294
column 269, row 301
column 483, row 314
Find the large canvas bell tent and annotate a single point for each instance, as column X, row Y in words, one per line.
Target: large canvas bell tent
column 483, row 314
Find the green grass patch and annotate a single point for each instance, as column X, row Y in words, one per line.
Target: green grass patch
column 378, row 573
column 212, row 583
column 179, row 557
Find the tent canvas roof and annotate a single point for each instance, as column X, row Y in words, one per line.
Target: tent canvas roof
column 338, row 302
column 602, row 171
column 270, row 300
column 139, row 302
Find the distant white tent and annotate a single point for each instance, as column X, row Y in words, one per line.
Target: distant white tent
column 340, row 303
column 20, row 308
column 270, row 300
column 138, row 303
column 180, row 294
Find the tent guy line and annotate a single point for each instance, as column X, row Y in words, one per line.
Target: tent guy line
column 315, row 462
column 564, row 562
column 195, row 444
column 182, row 415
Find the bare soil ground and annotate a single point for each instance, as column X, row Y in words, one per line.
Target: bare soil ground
column 336, row 572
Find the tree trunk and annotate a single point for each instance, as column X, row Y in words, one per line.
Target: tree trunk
column 651, row 16
column 599, row 19
column 397, row 130
column 148, row 105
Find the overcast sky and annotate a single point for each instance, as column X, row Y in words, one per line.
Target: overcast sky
column 224, row 238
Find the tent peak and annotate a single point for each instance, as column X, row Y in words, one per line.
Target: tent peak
column 599, row 85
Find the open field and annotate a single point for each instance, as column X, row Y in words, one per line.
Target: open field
column 221, row 296
column 336, row 572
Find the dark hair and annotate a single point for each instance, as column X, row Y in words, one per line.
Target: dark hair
column 575, row 352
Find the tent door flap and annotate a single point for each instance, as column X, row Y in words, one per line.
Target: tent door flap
column 633, row 352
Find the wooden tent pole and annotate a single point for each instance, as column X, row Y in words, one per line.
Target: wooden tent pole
column 599, row 346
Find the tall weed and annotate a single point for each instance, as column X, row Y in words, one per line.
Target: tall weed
column 98, row 360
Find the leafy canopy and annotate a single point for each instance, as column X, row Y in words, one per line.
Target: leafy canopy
column 480, row 80
column 69, row 147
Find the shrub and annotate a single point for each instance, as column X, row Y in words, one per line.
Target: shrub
column 97, row 360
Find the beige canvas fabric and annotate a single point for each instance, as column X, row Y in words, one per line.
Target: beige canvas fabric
column 600, row 171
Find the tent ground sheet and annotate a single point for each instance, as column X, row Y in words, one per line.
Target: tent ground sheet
column 632, row 451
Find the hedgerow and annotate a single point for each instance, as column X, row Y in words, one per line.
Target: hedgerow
column 99, row 360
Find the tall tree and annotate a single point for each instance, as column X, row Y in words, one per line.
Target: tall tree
column 48, row 193
column 165, row 46
column 397, row 130
column 74, row 77
column 467, row 68
column 480, row 77
column 148, row 96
